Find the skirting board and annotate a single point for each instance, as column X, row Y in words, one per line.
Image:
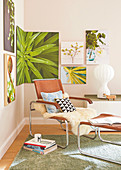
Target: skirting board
column 11, row 138
column 40, row 121
column 14, row 134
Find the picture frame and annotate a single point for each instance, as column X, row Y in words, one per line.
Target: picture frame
column 40, row 58
column 97, row 47
column 9, row 25
column 9, row 78
column 73, row 75
column 72, row 53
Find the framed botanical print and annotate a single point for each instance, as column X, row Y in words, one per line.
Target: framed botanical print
column 9, row 78
column 73, row 75
column 9, row 25
column 97, row 50
column 37, row 55
column 72, row 53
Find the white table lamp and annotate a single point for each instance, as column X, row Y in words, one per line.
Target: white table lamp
column 103, row 73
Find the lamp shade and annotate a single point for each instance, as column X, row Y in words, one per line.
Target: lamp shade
column 103, row 73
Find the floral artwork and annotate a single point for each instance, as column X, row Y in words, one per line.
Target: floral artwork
column 97, row 47
column 72, row 53
column 73, row 75
column 10, row 79
column 37, row 55
column 9, row 25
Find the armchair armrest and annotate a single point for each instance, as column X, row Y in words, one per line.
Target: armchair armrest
column 79, row 98
column 51, row 103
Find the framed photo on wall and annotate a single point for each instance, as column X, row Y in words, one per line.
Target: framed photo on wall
column 9, row 78
column 97, row 48
column 73, row 75
column 37, row 55
column 72, row 53
column 9, row 25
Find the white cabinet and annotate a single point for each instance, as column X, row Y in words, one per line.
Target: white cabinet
column 105, row 106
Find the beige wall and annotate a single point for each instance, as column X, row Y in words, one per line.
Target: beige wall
column 12, row 114
column 71, row 18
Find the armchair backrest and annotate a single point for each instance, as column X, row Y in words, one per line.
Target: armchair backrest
column 47, row 86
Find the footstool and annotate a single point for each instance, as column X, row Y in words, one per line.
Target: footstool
column 115, row 126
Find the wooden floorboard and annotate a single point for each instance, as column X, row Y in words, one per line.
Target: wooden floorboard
column 9, row 156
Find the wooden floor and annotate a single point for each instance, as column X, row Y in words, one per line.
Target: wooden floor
column 8, row 158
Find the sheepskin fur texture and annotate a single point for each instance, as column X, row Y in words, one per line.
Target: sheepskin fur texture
column 74, row 118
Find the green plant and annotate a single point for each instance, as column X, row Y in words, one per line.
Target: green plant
column 37, row 55
column 76, row 75
column 93, row 38
column 11, row 8
column 73, row 51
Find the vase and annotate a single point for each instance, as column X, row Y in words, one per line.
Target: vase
column 90, row 54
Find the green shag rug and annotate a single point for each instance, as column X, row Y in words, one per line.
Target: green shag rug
column 70, row 158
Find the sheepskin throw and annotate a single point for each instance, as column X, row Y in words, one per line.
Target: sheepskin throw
column 81, row 114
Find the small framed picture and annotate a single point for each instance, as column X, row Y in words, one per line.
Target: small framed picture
column 73, row 75
column 97, row 47
column 72, row 53
column 9, row 25
column 9, row 78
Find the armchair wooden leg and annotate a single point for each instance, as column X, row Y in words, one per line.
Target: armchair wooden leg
column 91, row 155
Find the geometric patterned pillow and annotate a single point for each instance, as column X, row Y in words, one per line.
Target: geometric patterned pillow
column 50, row 98
column 65, row 105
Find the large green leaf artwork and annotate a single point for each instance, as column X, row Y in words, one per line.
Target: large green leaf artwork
column 37, row 55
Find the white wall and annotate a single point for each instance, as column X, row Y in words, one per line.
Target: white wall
column 71, row 18
column 12, row 114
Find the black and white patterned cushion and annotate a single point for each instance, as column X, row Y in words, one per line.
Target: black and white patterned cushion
column 65, row 105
